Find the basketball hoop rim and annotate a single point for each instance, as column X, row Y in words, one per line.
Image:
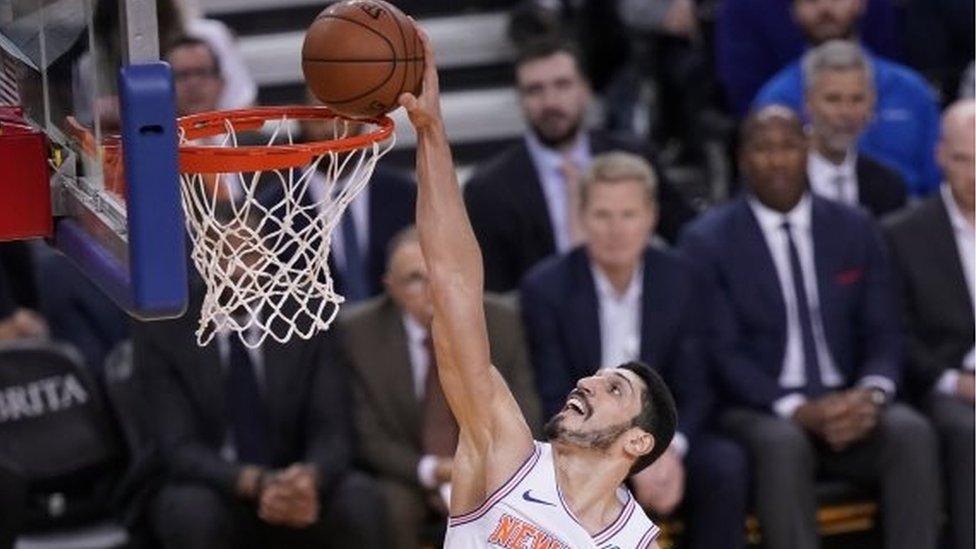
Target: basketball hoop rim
column 232, row 159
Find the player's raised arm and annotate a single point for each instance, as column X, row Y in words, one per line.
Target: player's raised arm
column 476, row 393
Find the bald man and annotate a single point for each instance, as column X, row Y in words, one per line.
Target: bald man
column 932, row 249
column 807, row 341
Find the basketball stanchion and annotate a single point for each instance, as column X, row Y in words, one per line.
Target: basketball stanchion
column 260, row 218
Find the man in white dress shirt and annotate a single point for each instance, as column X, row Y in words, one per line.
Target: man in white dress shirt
column 839, row 99
column 933, row 247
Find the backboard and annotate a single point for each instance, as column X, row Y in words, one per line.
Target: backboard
column 86, row 74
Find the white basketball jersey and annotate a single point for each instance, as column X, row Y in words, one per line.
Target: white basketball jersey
column 528, row 512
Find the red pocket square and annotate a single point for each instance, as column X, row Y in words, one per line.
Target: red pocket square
column 850, row 276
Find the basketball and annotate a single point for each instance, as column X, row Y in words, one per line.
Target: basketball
column 360, row 55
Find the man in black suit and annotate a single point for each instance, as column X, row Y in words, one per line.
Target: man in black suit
column 521, row 202
column 380, row 211
column 257, row 443
column 839, row 99
column 932, row 247
column 807, row 346
column 617, row 300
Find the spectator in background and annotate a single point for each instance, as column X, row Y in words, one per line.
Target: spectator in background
column 839, row 97
column 196, row 74
column 938, row 39
column 78, row 312
column 360, row 240
column 757, row 38
column 240, row 90
column 521, row 202
column 933, row 247
column 806, row 339
column 904, row 125
column 257, row 443
column 405, row 430
column 618, row 300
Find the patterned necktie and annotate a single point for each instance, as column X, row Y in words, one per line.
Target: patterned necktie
column 247, row 412
column 354, row 284
column 439, row 431
column 811, row 364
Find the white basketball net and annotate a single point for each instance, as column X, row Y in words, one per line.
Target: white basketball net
column 261, row 240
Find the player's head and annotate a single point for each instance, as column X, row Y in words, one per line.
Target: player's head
column 618, row 208
column 626, row 410
column 823, row 20
column 405, row 279
column 773, row 157
column 838, row 85
column 553, row 92
column 955, row 151
column 196, row 74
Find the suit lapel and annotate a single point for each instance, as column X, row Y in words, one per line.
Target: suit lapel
column 866, row 192
column 827, row 249
column 653, row 299
column 397, row 370
column 583, row 317
column 755, row 252
column 527, row 178
column 946, row 253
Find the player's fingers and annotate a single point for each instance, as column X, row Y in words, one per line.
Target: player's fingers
column 408, row 101
column 430, row 61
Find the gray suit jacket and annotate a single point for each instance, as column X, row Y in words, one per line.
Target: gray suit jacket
column 386, row 410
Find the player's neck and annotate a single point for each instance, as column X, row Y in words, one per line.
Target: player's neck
column 592, row 498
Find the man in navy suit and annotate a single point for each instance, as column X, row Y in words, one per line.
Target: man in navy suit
column 807, row 347
column 617, row 300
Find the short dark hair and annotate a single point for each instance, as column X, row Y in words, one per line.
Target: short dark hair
column 191, row 42
column 547, row 46
column 658, row 414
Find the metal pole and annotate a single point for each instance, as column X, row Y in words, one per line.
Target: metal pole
column 140, row 31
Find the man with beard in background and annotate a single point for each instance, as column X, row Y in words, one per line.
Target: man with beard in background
column 522, row 202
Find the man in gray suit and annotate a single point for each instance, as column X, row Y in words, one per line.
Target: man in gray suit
column 405, row 430
column 933, row 249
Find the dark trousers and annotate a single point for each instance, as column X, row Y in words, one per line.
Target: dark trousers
column 716, row 493
column 196, row 516
column 953, row 420
column 410, row 513
column 900, row 458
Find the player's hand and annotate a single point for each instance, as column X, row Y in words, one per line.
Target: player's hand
column 425, row 110
column 290, row 498
column 966, row 387
column 661, row 486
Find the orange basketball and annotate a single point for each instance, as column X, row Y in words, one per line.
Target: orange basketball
column 360, row 55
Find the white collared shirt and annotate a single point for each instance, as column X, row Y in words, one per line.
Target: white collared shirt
column 793, row 373
column 965, row 237
column 620, row 327
column 620, row 317
column 548, row 164
column 832, row 181
column 358, row 208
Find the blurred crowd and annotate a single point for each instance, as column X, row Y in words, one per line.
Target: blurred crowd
column 815, row 325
